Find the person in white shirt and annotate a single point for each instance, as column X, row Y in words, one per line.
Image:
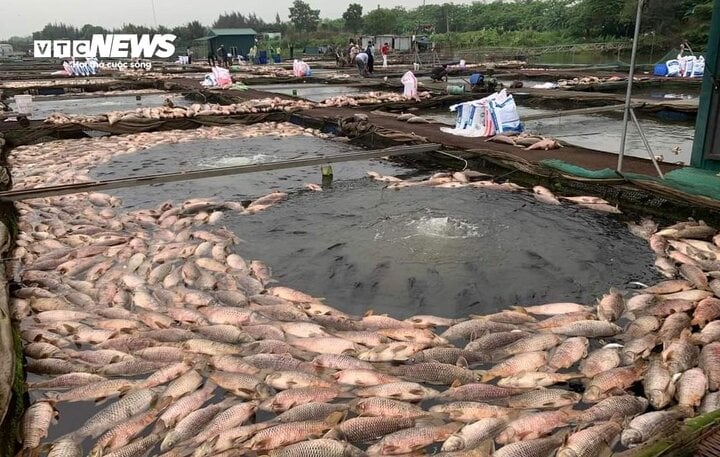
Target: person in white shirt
column 361, row 60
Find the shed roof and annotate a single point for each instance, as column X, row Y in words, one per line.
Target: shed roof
column 219, row 32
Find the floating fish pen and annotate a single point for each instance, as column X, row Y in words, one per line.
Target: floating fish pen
column 147, row 274
column 74, row 85
column 389, row 367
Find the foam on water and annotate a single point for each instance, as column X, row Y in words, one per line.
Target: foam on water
column 234, row 161
column 444, row 227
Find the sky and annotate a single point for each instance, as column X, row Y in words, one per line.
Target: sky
column 22, row 17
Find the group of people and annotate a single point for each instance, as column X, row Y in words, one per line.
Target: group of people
column 223, row 59
column 365, row 58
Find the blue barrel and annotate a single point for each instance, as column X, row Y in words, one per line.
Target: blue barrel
column 262, row 58
column 277, row 58
column 661, row 69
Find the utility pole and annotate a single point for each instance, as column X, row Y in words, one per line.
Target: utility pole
column 628, row 95
column 447, row 18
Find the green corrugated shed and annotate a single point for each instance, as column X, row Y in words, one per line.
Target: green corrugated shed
column 236, row 41
column 706, row 150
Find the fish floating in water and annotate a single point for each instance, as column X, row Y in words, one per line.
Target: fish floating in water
column 156, row 314
column 265, row 105
column 470, row 178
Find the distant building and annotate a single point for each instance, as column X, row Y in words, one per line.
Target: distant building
column 236, row 41
column 365, row 40
column 6, row 50
column 397, row 43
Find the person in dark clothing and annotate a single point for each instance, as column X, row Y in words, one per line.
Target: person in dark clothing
column 439, row 73
column 222, row 56
column 371, row 59
column 292, row 51
column 211, row 59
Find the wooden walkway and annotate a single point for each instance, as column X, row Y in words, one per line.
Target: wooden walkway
column 582, row 157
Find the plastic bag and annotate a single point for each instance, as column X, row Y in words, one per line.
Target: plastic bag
column 409, row 81
column 689, row 64
column 504, row 113
column 698, row 68
column 222, row 76
column 470, row 120
column 301, row 69
column 673, row 67
column 209, row 81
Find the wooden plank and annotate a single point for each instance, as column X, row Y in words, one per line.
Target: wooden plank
column 53, row 191
column 597, row 110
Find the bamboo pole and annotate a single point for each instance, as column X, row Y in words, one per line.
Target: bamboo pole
column 50, row 191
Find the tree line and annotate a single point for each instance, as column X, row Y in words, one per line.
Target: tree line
column 518, row 22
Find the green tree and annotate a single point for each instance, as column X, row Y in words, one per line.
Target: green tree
column 187, row 33
column 382, row 21
column 237, row 20
column 353, row 17
column 304, row 18
column 598, row 18
column 57, row 31
column 88, row 30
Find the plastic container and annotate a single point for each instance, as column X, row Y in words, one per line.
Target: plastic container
column 455, row 90
column 24, row 104
column 263, row 58
column 661, row 69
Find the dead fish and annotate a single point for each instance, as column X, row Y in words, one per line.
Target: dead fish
column 413, row 439
column 543, row 399
column 622, row 406
column 594, row 329
column 544, row 195
column 658, row 384
column 533, row 426
column 646, row 426
column 691, row 388
column 569, row 353
column 504, row 139
column 530, row 380
column 614, row 380
column 591, row 441
column 545, row 145
column 611, row 306
column 35, row 425
column 539, row 447
column 473, row 435
column 470, row 411
column 318, row 448
column 553, row 309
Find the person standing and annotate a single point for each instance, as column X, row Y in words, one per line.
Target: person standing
column 385, row 50
column 252, row 54
column 354, row 51
column 361, row 60
column 292, row 51
column 349, row 52
column 189, row 54
column 371, row 59
column 211, row 58
column 222, row 55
